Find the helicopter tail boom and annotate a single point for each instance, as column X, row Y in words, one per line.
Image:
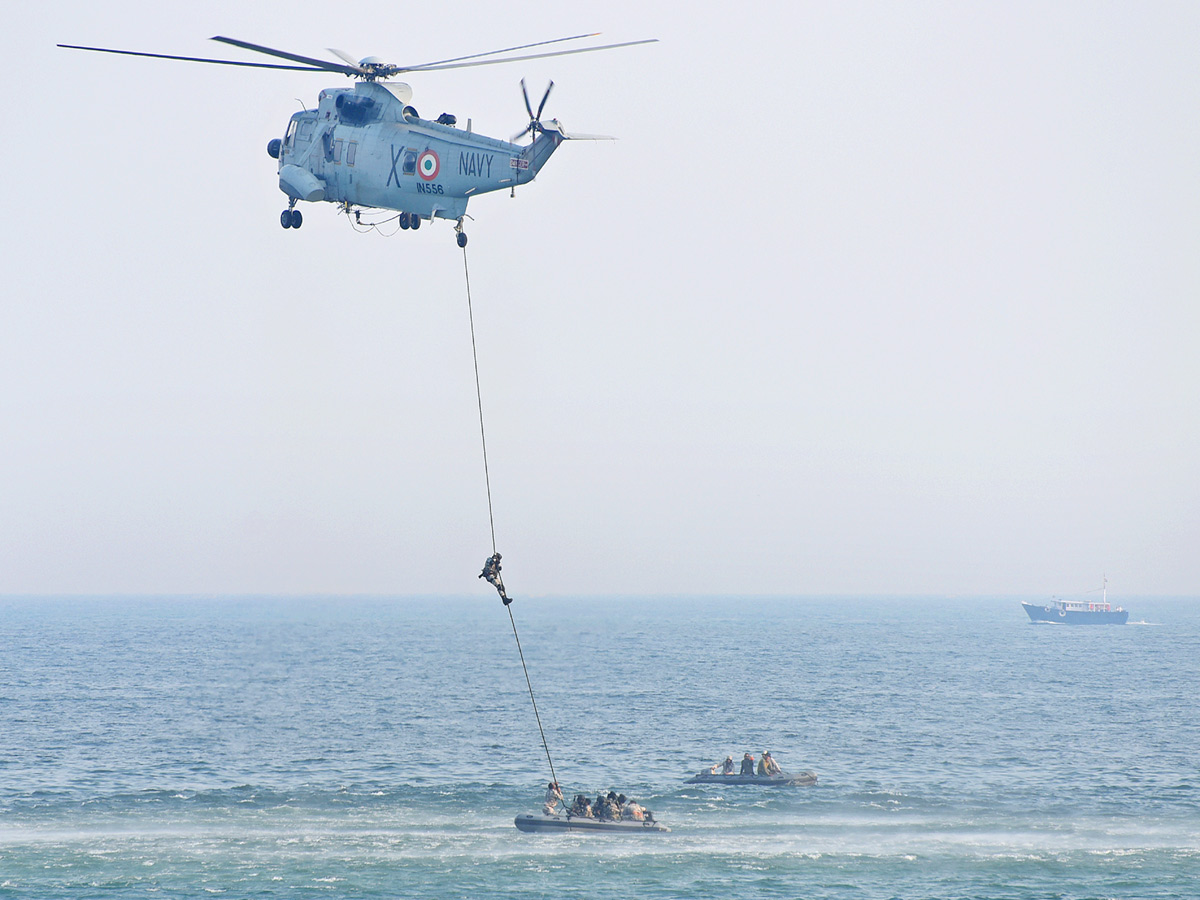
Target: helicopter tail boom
column 537, row 153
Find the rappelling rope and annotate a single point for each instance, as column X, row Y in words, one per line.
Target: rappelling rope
column 492, row 520
column 542, row 732
column 479, row 398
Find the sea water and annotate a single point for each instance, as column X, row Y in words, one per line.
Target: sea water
column 377, row 747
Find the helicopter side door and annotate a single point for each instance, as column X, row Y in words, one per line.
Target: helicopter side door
column 340, row 149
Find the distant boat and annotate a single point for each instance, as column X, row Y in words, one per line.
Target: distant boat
column 783, row 779
column 1078, row 612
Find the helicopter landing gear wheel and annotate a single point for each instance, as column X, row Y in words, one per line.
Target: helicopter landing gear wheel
column 459, row 235
column 285, row 218
column 414, row 222
column 297, row 218
column 405, row 224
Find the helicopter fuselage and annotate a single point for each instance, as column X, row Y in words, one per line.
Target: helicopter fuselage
column 364, row 146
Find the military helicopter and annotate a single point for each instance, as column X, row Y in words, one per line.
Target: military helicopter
column 366, row 147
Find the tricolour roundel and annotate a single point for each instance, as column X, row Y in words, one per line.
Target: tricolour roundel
column 428, row 165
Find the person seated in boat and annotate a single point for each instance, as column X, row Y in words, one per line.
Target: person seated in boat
column 606, row 808
column 581, row 808
column 767, row 764
column 630, row 809
column 553, row 798
column 747, row 765
column 614, row 806
column 724, row 767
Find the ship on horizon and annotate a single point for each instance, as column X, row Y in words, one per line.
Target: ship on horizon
column 1078, row 612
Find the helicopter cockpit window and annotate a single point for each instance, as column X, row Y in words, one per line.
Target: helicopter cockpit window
column 410, row 162
column 291, row 134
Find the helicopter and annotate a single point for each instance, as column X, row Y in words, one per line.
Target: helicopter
column 366, row 147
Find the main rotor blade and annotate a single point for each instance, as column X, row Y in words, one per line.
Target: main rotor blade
column 439, row 62
column 321, row 65
column 430, row 67
column 343, row 55
column 294, row 57
column 223, row 62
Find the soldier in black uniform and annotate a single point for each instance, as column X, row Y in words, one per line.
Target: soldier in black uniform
column 491, row 573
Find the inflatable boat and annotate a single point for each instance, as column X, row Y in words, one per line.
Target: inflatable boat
column 783, row 779
column 531, row 823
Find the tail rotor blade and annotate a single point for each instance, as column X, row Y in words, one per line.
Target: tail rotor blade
column 525, row 94
column 545, row 97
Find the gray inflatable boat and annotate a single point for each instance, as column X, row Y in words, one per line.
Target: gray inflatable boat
column 531, row 823
column 784, row 779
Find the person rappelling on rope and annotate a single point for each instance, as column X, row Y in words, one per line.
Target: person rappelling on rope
column 553, row 798
column 491, row 573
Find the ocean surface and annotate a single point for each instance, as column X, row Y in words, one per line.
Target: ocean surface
column 375, row 747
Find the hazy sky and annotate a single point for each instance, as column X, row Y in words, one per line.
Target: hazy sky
column 868, row 297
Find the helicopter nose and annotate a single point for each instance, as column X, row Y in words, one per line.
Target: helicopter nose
column 273, row 148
